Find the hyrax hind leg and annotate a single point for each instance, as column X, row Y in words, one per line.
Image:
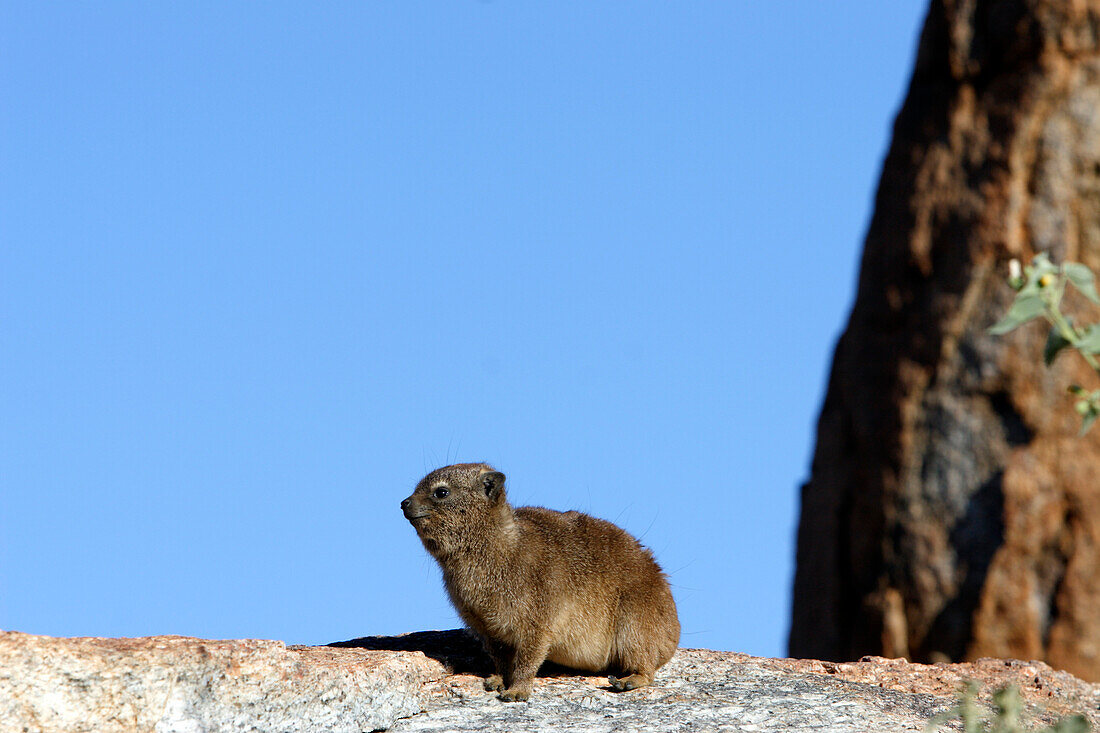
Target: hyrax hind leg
column 631, row 682
column 647, row 632
column 636, row 660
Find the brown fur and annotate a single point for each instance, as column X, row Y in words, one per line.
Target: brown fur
column 537, row 584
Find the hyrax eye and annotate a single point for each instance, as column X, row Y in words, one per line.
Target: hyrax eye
column 441, row 493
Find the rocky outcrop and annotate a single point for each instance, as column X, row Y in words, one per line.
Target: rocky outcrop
column 952, row 511
column 173, row 684
column 430, row 682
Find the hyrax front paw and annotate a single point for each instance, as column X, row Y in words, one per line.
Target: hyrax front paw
column 514, row 694
column 494, row 683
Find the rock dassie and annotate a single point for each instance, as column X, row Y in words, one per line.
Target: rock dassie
column 537, row 584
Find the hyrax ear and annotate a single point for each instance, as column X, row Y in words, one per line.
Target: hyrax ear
column 492, row 483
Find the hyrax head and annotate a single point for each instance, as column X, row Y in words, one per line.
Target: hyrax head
column 450, row 502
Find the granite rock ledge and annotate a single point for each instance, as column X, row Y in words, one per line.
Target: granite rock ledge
column 428, row 681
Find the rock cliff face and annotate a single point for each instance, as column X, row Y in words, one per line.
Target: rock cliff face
column 952, row 512
column 426, row 682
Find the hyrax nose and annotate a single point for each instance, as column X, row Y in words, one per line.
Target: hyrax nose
column 404, row 504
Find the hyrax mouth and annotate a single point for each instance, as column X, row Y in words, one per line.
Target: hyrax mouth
column 411, row 512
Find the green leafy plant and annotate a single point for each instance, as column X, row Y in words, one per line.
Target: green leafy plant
column 1039, row 288
column 1008, row 707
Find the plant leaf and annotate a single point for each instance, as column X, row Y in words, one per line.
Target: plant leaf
column 1082, row 278
column 1041, row 263
column 1086, row 422
column 1090, row 343
column 1024, row 308
column 1072, row 724
column 1055, row 343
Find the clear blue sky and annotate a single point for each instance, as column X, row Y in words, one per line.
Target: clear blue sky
column 261, row 267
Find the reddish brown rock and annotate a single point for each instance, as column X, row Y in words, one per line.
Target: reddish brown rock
column 952, row 512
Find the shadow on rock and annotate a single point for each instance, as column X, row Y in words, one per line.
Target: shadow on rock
column 458, row 650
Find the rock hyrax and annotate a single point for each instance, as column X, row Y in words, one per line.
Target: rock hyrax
column 537, row 584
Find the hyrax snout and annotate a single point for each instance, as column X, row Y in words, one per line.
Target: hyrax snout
column 537, row 584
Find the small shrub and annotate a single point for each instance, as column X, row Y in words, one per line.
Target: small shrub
column 1039, row 288
column 1008, row 706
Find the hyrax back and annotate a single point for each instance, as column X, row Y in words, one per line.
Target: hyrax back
column 537, row 584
